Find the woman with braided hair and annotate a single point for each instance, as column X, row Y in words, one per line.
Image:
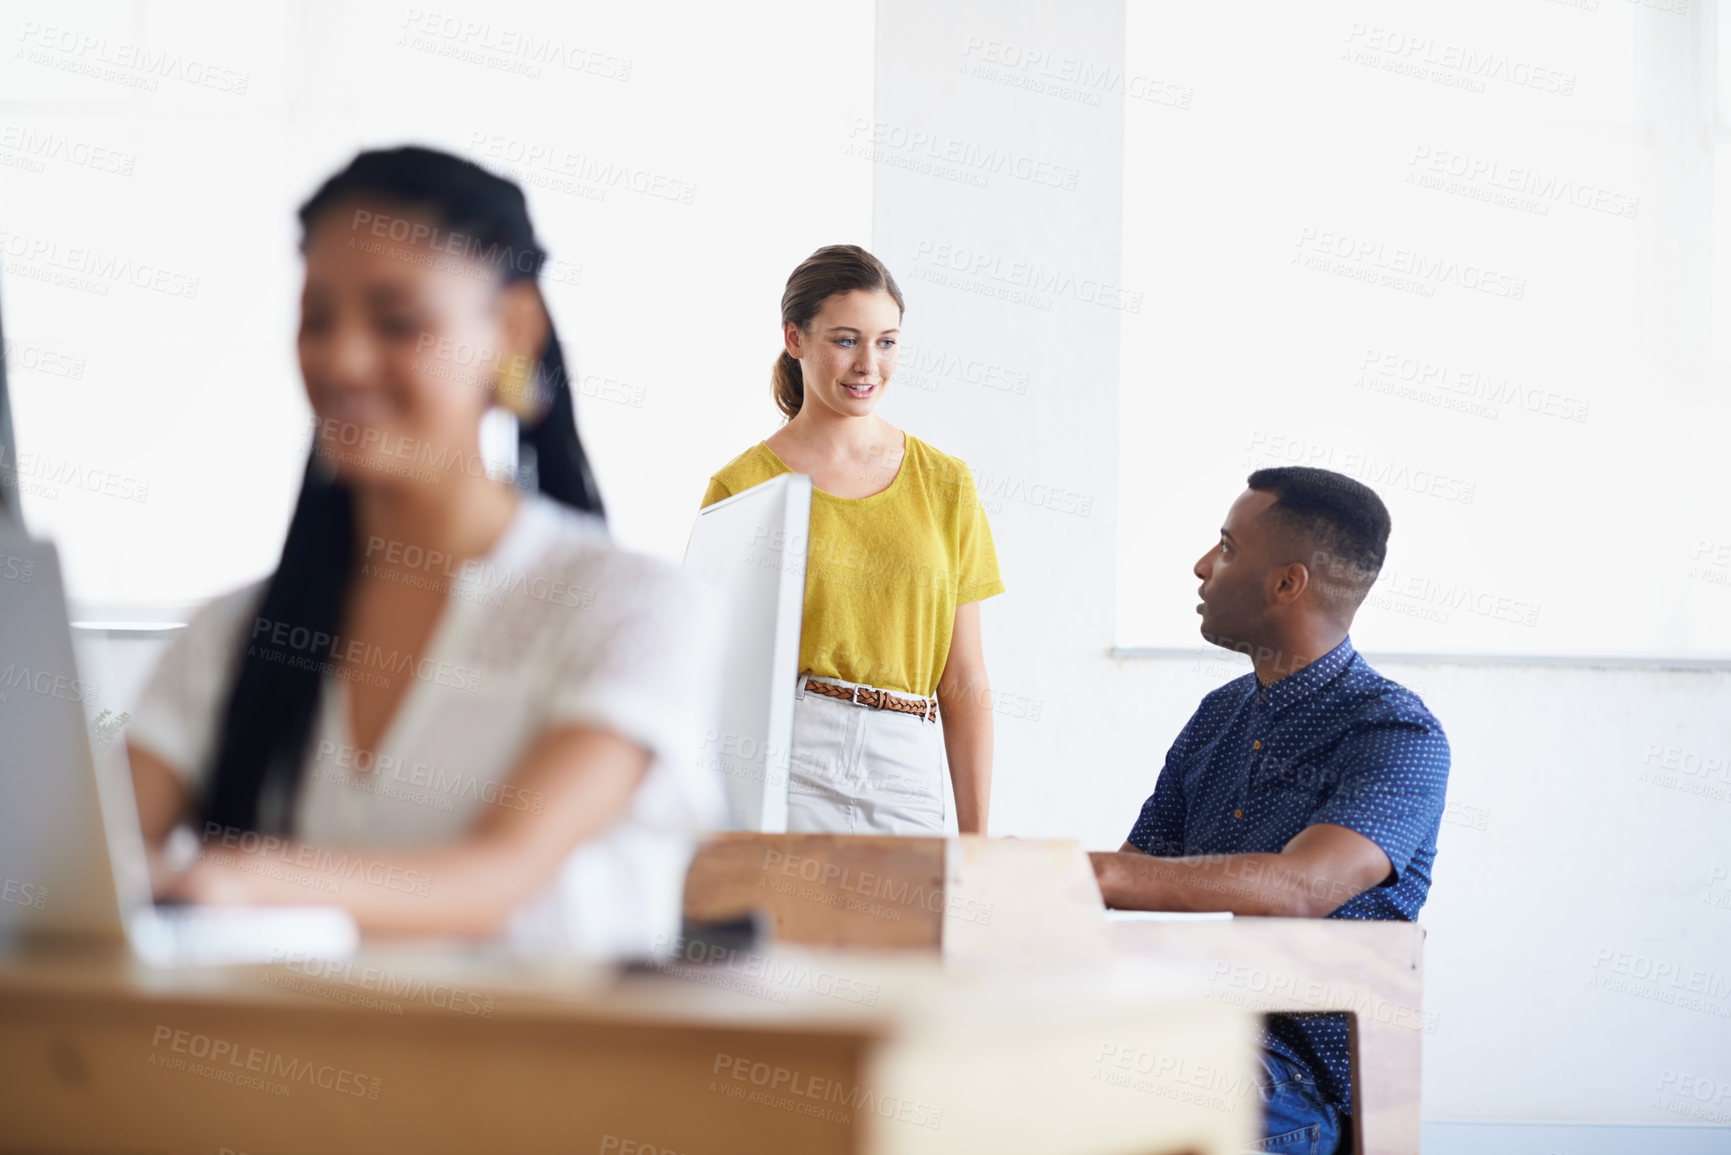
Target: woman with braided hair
column 455, row 707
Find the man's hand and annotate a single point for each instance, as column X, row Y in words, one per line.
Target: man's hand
column 1111, row 874
column 1312, row 876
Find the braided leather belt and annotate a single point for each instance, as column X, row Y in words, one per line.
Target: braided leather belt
column 926, row 709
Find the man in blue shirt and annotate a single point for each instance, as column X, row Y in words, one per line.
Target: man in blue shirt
column 1310, row 788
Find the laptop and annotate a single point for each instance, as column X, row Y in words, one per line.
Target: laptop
column 72, row 858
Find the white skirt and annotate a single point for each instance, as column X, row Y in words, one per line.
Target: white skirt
column 856, row 770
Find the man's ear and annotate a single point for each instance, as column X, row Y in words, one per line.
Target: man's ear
column 1290, row 582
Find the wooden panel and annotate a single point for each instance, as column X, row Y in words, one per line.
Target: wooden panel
column 1374, row 970
column 969, row 897
column 864, row 892
column 104, row 1056
column 1088, row 1086
column 119, row 1075
column 1017, row 898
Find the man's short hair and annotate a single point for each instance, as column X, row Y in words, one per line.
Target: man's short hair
column 1341, row 523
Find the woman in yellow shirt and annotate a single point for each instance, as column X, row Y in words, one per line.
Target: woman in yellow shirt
column 892, row 676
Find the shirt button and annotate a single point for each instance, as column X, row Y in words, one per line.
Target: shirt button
column 1238, row 814
column 1256, row 745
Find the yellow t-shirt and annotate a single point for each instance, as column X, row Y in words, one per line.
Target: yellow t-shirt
column 884, row 574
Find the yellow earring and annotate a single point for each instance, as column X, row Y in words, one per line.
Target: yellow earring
column 513, row 388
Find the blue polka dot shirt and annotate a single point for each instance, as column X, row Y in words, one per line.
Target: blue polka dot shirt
column 1335, row 742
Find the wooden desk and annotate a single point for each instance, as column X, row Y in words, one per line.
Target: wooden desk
column 435, row 1052
column 1006, row 901
column 1374, row 970
column 994, row 899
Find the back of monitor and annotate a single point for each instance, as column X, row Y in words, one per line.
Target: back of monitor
column 752, row 546
column 56, row 873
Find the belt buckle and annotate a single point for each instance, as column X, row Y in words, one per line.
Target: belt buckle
column 856, row 694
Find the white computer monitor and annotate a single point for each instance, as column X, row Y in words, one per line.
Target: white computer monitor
column 72, row 857
column 752, row 546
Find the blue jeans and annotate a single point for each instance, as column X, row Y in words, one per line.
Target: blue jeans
column 1296, row 1118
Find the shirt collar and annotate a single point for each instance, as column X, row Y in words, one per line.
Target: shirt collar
column 1302, row 683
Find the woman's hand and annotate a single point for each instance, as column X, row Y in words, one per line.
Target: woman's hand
column 205, row 881
column 965, row 703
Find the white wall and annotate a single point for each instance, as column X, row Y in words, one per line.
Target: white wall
column 1465, row 254
column 678, row 161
